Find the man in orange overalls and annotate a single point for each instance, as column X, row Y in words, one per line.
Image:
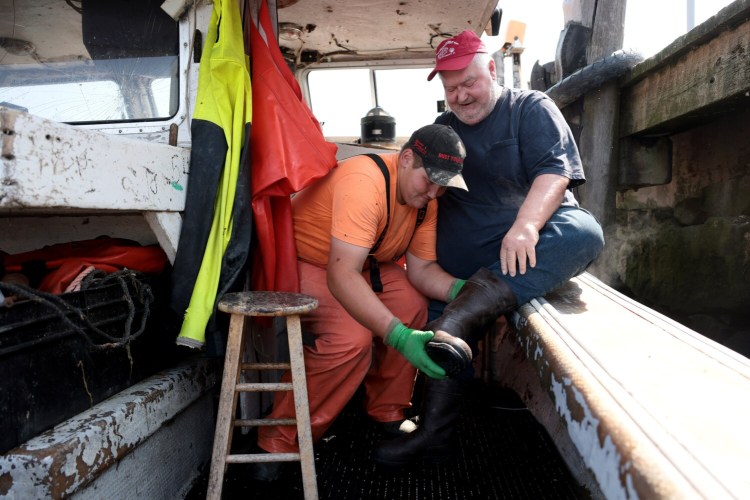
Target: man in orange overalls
column 350, row 229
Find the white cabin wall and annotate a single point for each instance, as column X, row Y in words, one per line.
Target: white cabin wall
column 22, row 229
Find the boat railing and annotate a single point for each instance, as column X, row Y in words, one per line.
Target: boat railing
column 638, row 405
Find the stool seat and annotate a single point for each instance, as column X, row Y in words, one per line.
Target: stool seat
column 267, row 303
column 263, row 303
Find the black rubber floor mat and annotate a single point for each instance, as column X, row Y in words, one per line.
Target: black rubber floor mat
column 504, row 453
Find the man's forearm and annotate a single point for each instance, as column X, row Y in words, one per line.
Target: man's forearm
column 519, row 243
column 429, row 278
column 356, row 296
column 544, row 198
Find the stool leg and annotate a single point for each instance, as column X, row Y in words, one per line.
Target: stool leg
column 302, row 408
column 227, row 407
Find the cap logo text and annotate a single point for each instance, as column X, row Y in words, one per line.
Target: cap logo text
column 447, row 50
column 454, row 159
column 419, row 146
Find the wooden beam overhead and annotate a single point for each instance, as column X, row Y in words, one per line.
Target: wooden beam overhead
column 701, row 75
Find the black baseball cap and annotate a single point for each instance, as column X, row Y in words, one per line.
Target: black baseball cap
column 442, row 154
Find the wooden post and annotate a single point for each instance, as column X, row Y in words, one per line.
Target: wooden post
column 515, row 53
column 598, row 140
column 499, row 57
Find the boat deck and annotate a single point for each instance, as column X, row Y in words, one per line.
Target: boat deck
column 504, row 453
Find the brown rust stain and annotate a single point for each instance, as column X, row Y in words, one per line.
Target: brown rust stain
column 157, row 395
column 577, row 412
column 58, row 484
column 130, row 408
column 6, row 483
column 603, row 431
column 625, row 471
column 57, row 481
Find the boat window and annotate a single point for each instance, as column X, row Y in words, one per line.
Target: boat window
column 89, row 61
column 340, row 98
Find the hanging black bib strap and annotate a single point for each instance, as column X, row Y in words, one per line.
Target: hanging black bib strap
column 376, row 283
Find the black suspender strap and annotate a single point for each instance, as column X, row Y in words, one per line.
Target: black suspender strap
column 376, row 283
column 420, row 217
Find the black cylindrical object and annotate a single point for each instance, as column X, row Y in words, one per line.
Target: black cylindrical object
column 378, row 126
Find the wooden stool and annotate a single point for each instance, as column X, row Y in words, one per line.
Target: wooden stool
column 244, row 304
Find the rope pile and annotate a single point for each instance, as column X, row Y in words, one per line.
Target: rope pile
column 135, row 293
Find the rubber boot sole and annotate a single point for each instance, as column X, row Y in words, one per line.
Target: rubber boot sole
column 451, row 353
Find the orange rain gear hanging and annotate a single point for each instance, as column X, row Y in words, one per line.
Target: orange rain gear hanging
column 288, row 151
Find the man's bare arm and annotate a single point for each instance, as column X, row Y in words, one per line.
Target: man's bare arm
column 350, row 288
column 519, row 244
column 429, row 277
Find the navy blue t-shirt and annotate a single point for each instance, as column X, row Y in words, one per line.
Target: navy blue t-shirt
column 524, row 136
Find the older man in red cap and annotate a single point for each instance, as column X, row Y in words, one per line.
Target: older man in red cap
column 517, row 233
column 457, row 52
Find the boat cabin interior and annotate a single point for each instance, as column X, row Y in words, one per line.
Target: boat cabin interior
column 585, row 393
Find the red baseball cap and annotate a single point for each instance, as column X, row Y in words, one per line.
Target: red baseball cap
column 457, row 52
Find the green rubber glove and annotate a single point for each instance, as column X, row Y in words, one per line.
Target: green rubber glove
column 410, row 343
column 455, row 288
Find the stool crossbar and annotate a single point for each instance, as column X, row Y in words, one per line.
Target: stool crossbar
column 241, row 305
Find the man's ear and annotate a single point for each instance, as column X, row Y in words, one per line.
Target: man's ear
column 493, row 69
column 407, row 156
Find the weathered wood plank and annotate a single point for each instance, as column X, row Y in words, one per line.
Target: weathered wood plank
column 48, row 165
column 619, row 382
column 599, row 122
column 700, row 75
column 644, row 162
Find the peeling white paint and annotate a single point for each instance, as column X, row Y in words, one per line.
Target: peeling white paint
column 617, row 390
column 49, row 166
column 58, row 462
column 602, row 458
column 58, row 166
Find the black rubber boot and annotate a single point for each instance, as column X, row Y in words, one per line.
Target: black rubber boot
column 483, row 299
column 433, row 440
